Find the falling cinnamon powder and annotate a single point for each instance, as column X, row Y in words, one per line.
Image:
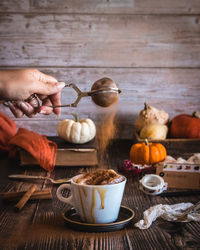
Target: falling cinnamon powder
column 105, row 133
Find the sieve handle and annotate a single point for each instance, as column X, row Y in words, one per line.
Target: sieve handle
column 80, row 94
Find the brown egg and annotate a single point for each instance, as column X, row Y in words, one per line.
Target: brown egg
column 105, row 92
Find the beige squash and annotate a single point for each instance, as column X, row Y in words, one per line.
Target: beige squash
column 150, row 115
column 154, row 132
column 77, row 131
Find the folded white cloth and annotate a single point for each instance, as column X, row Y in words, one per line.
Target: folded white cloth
column 194, row 159
column 167, row 212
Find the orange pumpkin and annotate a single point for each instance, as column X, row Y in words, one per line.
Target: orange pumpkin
column 185, row 126
column 147, row 153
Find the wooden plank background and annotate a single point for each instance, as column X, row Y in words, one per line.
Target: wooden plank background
column 151, row 49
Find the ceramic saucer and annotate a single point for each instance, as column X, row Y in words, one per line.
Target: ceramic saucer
column 73, row 220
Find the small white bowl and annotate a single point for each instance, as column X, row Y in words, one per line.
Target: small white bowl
column 152, row 184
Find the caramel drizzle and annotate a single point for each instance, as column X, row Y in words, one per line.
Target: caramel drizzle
column 82, row 203
column 84, row 191
column 102, row 194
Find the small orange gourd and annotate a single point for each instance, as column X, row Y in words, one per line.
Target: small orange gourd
column 147, row 153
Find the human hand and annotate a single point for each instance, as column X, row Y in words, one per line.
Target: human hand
column 19, row 84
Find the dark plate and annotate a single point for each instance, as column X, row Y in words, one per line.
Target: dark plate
column 73, row 220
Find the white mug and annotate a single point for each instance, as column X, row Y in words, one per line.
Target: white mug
column 94, row 203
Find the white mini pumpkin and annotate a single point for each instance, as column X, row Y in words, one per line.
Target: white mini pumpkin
column 77, row 131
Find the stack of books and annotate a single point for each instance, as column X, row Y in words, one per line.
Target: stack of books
column 68, row 154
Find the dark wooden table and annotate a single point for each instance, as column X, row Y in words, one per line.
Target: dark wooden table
column 39, row 225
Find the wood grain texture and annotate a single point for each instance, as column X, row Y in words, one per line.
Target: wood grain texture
column 174, row 90
column 151, row 49
column 108, row 41
column 135, row 28
column 40, row 225
column 101, row 7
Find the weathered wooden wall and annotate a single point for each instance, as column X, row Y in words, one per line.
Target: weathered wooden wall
column 150, row 48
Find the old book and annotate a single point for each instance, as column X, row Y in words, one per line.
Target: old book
column 68, row 154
